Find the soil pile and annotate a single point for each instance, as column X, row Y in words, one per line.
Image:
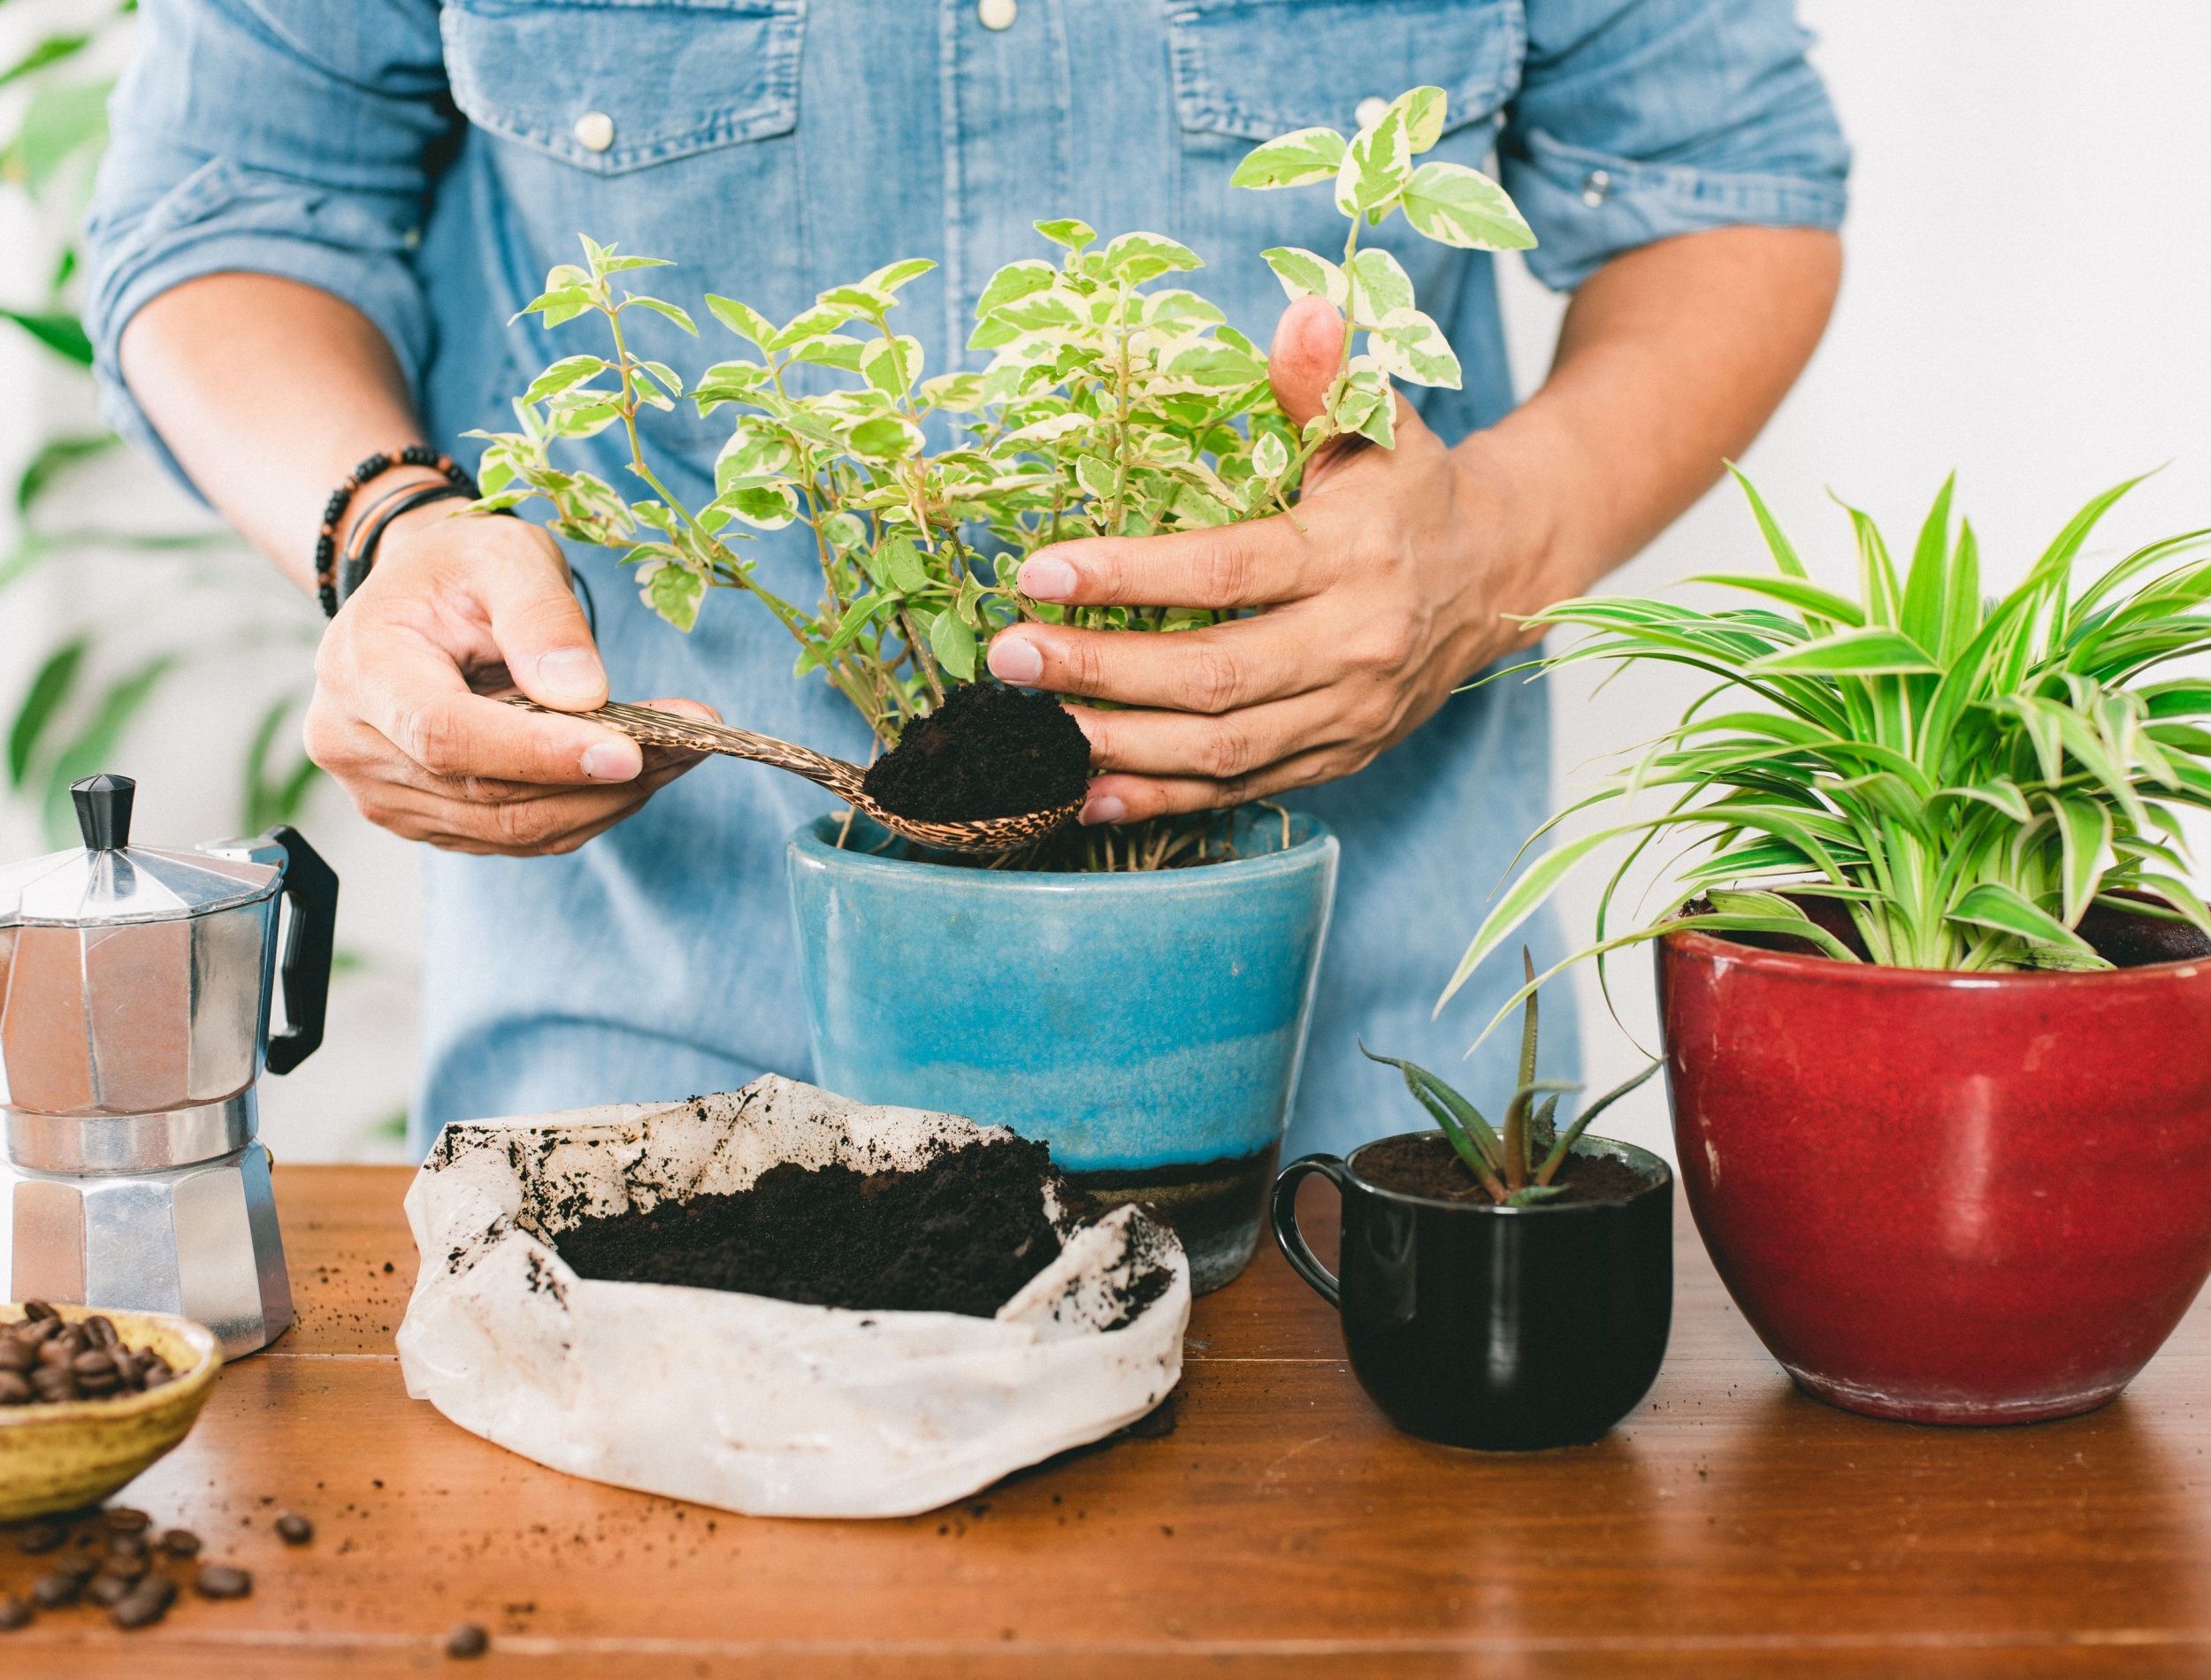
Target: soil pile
column 1427, row 1165
column 962, row 1234
column 987, row 751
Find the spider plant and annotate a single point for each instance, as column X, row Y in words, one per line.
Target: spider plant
column 1515, row 1160
column 1960, row 778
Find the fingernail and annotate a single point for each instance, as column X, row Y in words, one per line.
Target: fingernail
column 1046, row 579
column 1103, row 807
column 570, row 673
column 613, row 761
column 1014, row 659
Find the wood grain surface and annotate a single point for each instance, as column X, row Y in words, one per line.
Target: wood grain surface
column 1730, row 1528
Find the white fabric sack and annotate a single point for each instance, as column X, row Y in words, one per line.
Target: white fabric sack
column 763, row 1407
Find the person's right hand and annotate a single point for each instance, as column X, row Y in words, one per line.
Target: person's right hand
column 459, row 609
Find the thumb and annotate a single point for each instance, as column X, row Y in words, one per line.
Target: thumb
column 1301, row 366
column 541, row 634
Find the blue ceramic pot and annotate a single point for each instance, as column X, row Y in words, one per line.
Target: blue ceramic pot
column 1148, row 1027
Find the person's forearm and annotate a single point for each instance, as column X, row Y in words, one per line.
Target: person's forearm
column 1671, row 359
column 268, row 392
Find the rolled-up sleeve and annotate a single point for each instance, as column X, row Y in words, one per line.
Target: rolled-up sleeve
column 1640, row 120
column 288, row 137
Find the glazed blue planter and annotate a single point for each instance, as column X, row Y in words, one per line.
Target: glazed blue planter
column 1148, row 1027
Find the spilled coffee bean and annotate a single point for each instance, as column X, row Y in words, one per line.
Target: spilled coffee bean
column 61, row 1587
column 294, row 1529
column 467, row 1640
column 221, row 1581
column 180, row 1543
column 14, row 1613
column 148, row 1603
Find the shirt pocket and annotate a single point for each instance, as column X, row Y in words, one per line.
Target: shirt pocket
column 1245, row 71
column 611, row 86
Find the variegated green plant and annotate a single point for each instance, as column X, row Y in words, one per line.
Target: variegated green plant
column 1110, row 405
column 1516, row 1159
column 1962, row 777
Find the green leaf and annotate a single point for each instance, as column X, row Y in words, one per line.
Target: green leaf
column 886, row 437
column 1857, row 653
column 62, row 333
column 1307, row 274
column 1424, row 109
column 1926, row 590
column 674, row 591
column 899, row 561
column 2085, row 829
column 1377, row 167
column 1454, row 205
column 1014, row 281
column 61, row 121
column 1069, row 230
column 1384, row 286
column 742, row 319
column 1469, row 1130
column 891, row 365
column 953, row 644
column 857, row 617
column 55, row 457
column 670, row 310
column 1134, row 258
column 1994, row 905
column 1407, row 345
column 1292, row 160
column 892, row 275
column 568, row 370
column 41, row 702
column 51, row 51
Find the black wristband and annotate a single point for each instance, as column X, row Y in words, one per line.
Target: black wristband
column 356, row 565
column 414, row 454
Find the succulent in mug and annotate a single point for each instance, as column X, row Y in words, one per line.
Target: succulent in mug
column 1516, row 1159
column 1956, row 779
column 1111, row 404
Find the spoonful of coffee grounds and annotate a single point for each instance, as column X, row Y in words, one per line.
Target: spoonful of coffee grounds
column 990, row 769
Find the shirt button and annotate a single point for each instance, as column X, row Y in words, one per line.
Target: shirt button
column 1597, row 189
column 997, row 14
column 594, row 131
column 1371, row 110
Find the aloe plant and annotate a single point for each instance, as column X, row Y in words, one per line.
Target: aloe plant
column 1962, row 777
column 1516, row 1159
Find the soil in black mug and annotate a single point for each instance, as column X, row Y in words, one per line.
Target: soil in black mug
column 1507, row 1329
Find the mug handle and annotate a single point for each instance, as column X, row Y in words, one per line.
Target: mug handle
column 1295, row 1248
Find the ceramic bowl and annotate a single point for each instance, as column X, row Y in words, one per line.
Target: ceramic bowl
column 64, row 1457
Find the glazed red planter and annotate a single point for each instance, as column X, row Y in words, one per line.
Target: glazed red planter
column 1950, row 1198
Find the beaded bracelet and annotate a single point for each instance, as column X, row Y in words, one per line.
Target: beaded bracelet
column 353, row 571
column 414, row 454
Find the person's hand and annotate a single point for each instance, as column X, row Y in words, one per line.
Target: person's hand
column 1395, row 591
column 459, row 609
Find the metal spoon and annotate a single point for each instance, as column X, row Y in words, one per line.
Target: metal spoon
column 650, row 728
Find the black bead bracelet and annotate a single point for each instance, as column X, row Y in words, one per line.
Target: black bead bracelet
column 414, row 454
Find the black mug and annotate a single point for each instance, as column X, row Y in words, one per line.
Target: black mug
column 1508, row 1329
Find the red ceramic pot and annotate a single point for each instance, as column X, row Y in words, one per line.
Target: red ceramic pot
column 1950, row 1198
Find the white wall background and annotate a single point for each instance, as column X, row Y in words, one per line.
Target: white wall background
column 2025, row 302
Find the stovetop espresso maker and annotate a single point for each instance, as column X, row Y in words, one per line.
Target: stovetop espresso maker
column 135, row 988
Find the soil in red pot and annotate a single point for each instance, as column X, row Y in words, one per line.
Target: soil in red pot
column 961, row 1235
column 1424, row 1164
column 988, row 751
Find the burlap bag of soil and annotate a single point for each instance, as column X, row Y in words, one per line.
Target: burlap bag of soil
column 762, row 1405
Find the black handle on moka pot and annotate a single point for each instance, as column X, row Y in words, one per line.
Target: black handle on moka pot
column 312, row 885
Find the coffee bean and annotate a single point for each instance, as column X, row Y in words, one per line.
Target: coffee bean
column 180, row 1543
column 220, row 1581
column 16, row 1354
column 125, row 1519
column 108, row 1590
column 146, row 1605
column 40, row 1536
column 103, row 1331
column 96, row 1363
column 467, row 1640
column 34, row 1311
column 61, row 1587
column 15, row 1389
column 55, row 1352
column 294, row 1529
column 14, row 1613
column 127, row 1566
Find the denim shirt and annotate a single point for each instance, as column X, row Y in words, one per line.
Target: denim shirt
column 428, row 163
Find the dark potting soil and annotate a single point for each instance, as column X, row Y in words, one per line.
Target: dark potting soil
column 987, row 751
column 1424, row 1164
column 961, row 1235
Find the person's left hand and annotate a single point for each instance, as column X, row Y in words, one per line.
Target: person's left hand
column 1393, row 593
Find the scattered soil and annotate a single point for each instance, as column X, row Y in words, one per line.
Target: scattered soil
column 962, row 1234
column 987, row 751
column 1424, row 1164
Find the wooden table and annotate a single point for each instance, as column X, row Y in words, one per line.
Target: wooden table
column 1730, row 1528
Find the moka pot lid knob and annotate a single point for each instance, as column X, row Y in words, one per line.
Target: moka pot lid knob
column 110, row 881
